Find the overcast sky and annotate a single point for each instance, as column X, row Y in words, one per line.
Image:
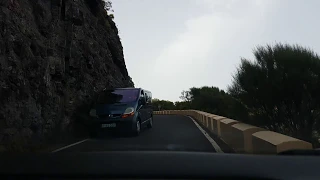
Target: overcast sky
column 172, row 45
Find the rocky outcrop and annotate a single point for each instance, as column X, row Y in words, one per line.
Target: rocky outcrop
column 55, row 55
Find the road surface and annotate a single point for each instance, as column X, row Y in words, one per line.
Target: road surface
column 169, row 132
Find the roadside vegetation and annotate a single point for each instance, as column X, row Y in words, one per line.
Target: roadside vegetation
column 277, row 90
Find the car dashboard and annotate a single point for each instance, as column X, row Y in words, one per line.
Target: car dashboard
column 157, row 165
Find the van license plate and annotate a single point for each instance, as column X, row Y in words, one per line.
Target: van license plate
column 112, row 125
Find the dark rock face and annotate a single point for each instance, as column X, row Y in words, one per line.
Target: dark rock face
column 55, row 55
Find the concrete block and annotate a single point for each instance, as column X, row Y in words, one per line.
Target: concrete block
column 225, row 129
column 242, row 137
column 268, row 142
column 216, row 124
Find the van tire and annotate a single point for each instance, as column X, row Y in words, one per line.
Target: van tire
column 150, row 124
column 137, row 130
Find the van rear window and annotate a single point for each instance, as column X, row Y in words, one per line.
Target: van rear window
column 118, row 96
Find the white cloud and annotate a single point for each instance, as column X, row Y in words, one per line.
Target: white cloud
column 200, row 42
column 208, row 46
column 190, row 46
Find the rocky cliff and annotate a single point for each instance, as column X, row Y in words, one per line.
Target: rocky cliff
column 55, row 55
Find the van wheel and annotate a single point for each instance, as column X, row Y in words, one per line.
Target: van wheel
column 150, row 124
column 137, row 129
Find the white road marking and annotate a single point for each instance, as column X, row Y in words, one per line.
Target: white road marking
column 213, row 143
column 65, row 147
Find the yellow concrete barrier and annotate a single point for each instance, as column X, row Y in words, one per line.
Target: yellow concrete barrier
column 197, row 115
column 268, row 142
column 242, row 137
column 226, row 131
column 216, row 124
column 205, row 118
column 200, row 116
column 211, row 122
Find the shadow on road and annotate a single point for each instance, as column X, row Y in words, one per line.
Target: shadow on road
column 113, row 135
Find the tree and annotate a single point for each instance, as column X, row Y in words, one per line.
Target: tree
column 185, row 96
column 280, row 89
column 184, row 105
column 213, row 100
column 162, row 105
column 108, row 7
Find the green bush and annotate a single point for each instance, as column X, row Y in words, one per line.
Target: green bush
column 280, row 89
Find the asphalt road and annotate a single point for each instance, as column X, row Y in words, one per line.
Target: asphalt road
column 169, row 132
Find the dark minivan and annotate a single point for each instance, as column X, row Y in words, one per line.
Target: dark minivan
column 122, row 109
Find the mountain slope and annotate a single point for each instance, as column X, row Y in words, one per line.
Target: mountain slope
column 55, row 55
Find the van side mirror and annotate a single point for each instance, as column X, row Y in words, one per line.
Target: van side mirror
column 142, row 100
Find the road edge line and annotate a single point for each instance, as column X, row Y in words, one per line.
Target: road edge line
column 213, row 143
column 70, row 145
